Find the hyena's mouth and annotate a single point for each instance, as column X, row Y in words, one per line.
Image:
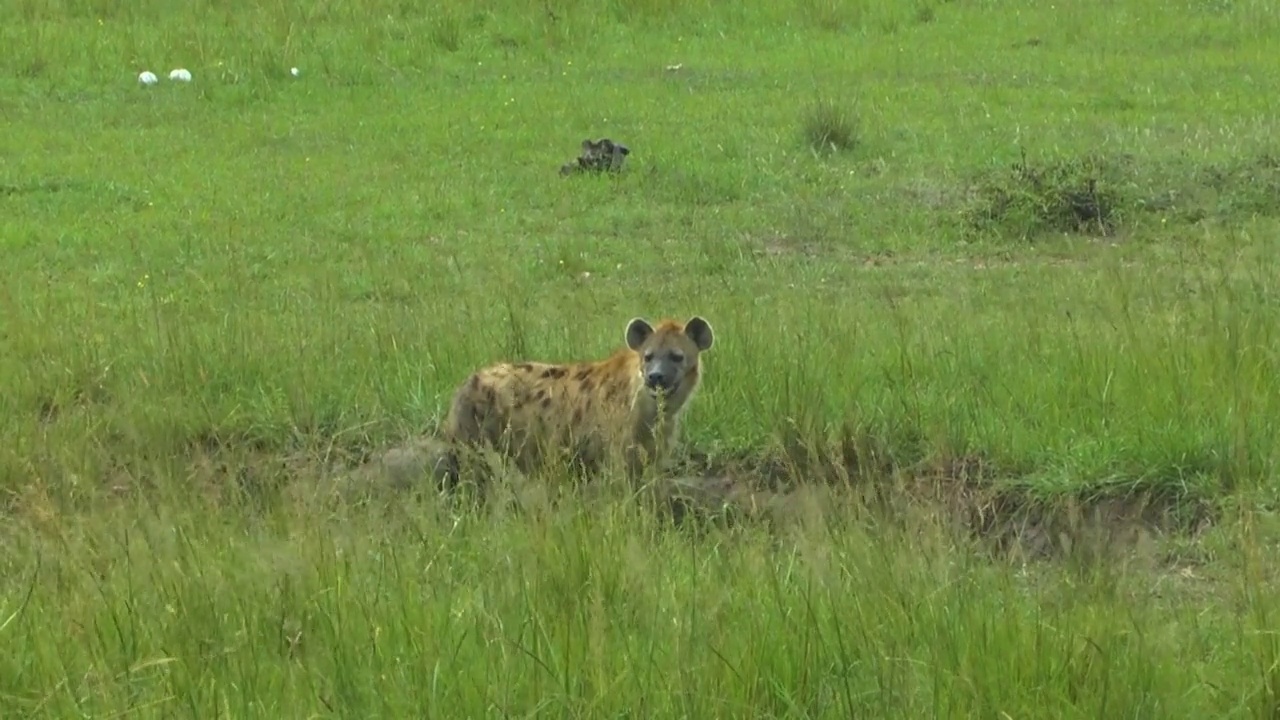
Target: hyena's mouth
column 660, row 390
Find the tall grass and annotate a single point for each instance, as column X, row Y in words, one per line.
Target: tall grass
column 217, row 294
column 1062, row 374
column 590, row 611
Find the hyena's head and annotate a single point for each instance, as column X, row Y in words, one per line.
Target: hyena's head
column 603, row 155
column 669, row 354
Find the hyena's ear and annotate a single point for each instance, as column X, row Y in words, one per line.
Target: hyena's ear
column 699, row 331
column 638, row 330
column 588, row 147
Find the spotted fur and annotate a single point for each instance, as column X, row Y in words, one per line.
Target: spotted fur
column 626, row 407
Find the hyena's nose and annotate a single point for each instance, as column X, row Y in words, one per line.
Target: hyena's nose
column 654, row 380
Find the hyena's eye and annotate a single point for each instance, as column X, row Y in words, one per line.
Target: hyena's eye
column 648, row 356
column 677, row 358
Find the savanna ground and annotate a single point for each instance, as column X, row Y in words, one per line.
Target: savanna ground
column 994, row 393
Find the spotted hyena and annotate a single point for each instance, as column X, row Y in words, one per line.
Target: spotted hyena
column 604, row 155
column 624, row 408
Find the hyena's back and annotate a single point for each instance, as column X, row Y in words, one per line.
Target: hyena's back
column 527, row 410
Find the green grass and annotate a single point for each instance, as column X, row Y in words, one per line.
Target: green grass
column 1046, row 239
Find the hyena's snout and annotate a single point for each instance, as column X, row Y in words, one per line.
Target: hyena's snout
column 662, row 376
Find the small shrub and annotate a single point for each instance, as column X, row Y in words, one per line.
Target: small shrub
column 1245, row 186
column 834, row 15
column 830, row 126
column 1074, row 196
column 446, row 32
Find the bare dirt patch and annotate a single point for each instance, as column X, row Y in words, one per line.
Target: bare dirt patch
column 779, row 489
column 965, row 493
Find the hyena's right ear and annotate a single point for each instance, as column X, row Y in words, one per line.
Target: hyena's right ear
column 638, row 331
column 588, row 147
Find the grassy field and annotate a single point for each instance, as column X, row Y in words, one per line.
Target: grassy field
column 1013, row 260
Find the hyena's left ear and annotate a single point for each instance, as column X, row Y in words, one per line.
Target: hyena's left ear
column 638, row 330
column 699, row 331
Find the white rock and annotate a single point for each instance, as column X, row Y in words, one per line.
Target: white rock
column 146, row 77
column 180, row 74
column 293, row 72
